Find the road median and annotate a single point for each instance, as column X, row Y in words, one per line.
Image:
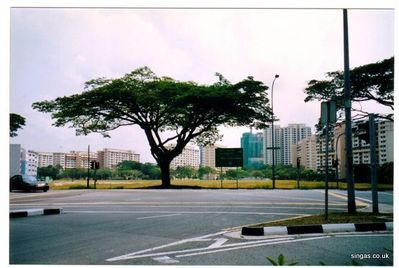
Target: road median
column 35, row 212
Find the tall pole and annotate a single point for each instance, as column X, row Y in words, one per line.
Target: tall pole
column 273, row 163
column 88, row 167
column 373, row 163
column 348, row 120
column 326, row 165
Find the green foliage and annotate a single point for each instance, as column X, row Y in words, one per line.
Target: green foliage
column 368, row 82
column 16, row 122
column 185, row 172
column 190, row 111
column 102, row 174
column 280, row 261
column 204, row 172
column 385, row 173
column 74, row 173
column 49, row 171
column 234, row 174
column 135, row 170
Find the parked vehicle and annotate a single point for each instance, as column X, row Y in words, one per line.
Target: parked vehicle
column 27, row 183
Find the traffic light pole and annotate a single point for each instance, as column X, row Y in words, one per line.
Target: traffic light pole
column 348, row 120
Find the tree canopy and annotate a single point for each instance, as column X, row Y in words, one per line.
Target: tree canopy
column 373, row 82
column 162, row 105
column 16, row 122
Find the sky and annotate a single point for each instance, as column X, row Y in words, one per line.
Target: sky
column 53, row 51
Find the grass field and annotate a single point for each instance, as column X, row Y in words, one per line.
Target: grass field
column 206, row 184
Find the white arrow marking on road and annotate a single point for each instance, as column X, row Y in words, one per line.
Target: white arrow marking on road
column 259, row 244
column 218, row 243
column 135, row 255
column 199, row 238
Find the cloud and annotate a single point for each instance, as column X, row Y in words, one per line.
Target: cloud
column 54, row 51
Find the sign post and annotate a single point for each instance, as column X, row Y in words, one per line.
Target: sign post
column 328, row 115
column 228, row 157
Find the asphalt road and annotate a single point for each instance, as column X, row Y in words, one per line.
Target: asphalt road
column 141, row 227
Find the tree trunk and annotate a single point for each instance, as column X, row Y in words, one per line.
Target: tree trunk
column 165, row 173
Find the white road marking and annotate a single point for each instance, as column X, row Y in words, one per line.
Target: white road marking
column 356, row 235
column 135, row 255
column 250, row 246
column 133, row 203
column 165, row 260
column 199, row 238
column 219, row 242
column 160, row 216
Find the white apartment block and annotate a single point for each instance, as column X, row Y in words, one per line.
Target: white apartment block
column 110, row 158
column 361, row 150
column 267, row 143
column 22, row 161
column 45, row 159
column 284, row 138
column 73, row 159
column 81, row 158
column 59, row 159
column 190, row 156
column 29, row 162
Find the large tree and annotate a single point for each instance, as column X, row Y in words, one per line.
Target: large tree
column 371, row 82
column 16, row 122
column 186, row 111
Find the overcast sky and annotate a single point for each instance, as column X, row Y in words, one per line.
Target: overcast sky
column 54, row 51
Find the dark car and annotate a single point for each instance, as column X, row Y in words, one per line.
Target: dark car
column 27, row 183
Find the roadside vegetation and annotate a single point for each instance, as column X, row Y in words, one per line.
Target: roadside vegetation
column 131, row 175
column 67, row 184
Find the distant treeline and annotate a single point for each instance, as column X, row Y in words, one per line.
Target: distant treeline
column 148, row 171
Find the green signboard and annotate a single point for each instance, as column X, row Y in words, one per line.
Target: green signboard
column 229, row 157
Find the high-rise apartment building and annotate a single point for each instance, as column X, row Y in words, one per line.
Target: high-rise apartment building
column 45, row 159
column 305, row 151
column 207, row 155
column 252, row 146
column 110, row 158
column 74, row 159
column 29, row 162
column 361, row 149
column 189, row 157
column 59, row 159
column 284, row 138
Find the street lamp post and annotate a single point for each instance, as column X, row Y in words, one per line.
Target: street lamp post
column 273, row 165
